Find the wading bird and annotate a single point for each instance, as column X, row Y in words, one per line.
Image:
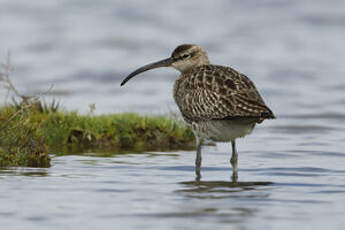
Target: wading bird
column 217, row 102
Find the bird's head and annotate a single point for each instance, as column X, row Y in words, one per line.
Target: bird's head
column 183, row 58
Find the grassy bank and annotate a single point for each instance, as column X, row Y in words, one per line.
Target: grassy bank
column 29, row 134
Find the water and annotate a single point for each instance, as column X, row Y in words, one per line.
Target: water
column 157, row 191
column 291, row 170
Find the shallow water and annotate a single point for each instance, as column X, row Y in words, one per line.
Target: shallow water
column 291, row 170
column 284, row 190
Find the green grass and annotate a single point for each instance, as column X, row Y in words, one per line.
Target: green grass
column 28, row 136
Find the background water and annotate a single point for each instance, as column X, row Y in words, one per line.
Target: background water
column 293, row 50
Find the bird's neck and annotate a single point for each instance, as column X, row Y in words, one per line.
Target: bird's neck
column 202, row 60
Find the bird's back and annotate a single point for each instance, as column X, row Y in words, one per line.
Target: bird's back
column 212, row 92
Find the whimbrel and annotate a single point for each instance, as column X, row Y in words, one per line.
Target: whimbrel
column 217, row 102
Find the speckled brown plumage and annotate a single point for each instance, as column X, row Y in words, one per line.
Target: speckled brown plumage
column 212, row 92
column 217, row 102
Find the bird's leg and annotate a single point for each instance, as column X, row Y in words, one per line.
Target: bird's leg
column 233, row 161
column 198, row 159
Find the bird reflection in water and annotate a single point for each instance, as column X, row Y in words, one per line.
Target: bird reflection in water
column 223, row 189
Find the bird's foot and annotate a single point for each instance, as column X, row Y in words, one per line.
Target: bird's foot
column 197, row 177
column 234, row 177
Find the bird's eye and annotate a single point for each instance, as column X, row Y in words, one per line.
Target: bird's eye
column 185, row 56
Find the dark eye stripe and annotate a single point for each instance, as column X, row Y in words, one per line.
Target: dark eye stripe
column 182, row 57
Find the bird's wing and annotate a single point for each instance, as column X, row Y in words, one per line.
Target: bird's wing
column 216, row 92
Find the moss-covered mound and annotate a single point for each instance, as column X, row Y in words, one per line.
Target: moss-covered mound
column 28, row 135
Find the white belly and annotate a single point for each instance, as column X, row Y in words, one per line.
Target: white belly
column 223, row 130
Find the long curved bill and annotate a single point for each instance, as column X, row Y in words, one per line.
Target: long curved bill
column 162, row 63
